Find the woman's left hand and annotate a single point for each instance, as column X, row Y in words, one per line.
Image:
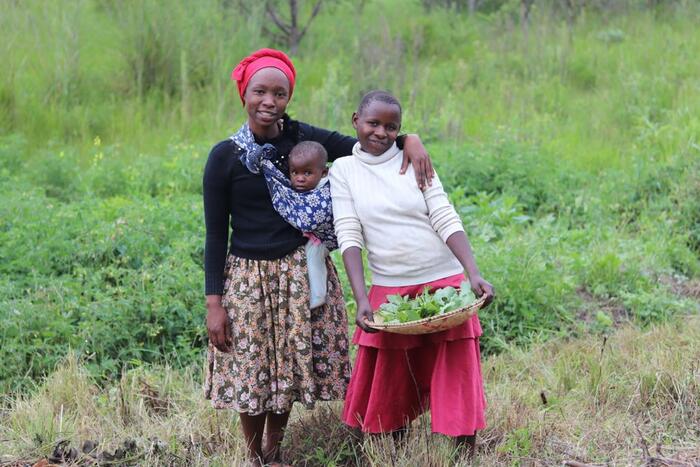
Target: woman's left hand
column 481, row 287
column 415, row 153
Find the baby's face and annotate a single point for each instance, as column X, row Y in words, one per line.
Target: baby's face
column 305, row 171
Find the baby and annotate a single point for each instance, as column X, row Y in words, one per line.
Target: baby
column 307, row 166
column 307, row 171
column 303, row 200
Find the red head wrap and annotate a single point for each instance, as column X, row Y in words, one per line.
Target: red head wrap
column 263, row 58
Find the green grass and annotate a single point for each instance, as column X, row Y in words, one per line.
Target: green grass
column 629, row 398
column 572, row 158
column 144, row 73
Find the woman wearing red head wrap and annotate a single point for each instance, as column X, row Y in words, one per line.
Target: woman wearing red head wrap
column 267, row 349
column 263, row 58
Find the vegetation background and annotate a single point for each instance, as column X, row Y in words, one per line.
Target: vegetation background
column 565, row 131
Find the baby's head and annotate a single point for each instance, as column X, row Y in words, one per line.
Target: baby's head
column 307, row 165
column 377, row 121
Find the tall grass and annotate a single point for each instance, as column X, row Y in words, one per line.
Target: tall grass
column 570, row 154
column 627, row 399
column 144, row 72
column 119, row 70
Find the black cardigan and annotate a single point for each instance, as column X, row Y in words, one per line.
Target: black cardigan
column 234, row 195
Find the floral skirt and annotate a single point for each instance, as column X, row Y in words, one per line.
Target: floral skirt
column 282, row 351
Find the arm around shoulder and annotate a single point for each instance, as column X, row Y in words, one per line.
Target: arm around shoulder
column 416, row 154
column 336, row 144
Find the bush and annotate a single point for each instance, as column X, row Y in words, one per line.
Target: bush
column 533, row 287
column 118, row 281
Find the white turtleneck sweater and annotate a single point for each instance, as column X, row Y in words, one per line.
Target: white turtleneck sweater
column 403, row 228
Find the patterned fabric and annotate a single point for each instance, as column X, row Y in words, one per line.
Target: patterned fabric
column 283, row 351
column 252, row 153
column 310, row 211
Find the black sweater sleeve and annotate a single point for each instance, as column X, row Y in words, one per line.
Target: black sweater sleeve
column 336, row 144
column 216, row 188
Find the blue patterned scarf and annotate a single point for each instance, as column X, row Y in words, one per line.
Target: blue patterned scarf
column 310, row 211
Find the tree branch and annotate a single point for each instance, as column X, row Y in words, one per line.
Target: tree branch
column 315, row 12
column 293, row 13
column 276, row 19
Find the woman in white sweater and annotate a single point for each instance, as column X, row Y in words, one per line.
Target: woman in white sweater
column 414, row 239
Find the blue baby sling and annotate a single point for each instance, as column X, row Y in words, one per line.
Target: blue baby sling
column 310, row 211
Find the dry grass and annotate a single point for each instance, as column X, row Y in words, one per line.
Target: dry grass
column 629, row 399
column 161, row 411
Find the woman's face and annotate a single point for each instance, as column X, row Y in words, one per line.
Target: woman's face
column 266, row 99
column 377, row 126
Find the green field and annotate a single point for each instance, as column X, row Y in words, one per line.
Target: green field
column 572, row 152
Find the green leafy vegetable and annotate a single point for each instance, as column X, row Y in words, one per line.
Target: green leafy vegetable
column 401, row 309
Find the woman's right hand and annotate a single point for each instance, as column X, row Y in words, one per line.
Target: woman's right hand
column 218, row 326
column 364, row 312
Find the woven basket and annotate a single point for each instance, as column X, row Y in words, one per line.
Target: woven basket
column 436, row 323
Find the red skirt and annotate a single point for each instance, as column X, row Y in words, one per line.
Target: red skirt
column 398, row 377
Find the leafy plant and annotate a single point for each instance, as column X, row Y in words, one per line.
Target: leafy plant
column 403, row 309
